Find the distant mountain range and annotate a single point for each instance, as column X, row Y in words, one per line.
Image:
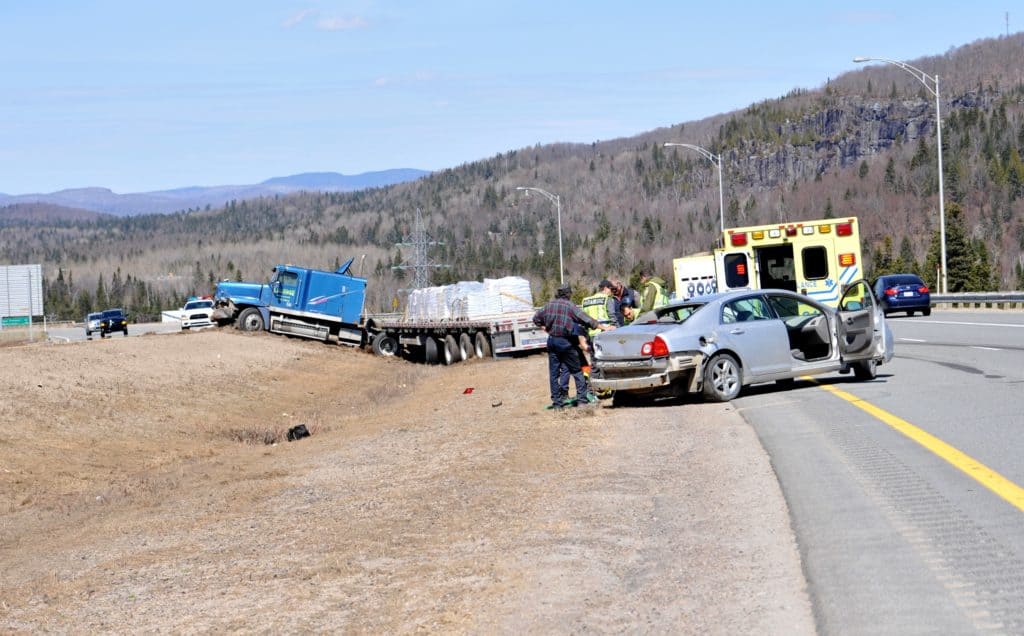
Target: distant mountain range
column 196, row 197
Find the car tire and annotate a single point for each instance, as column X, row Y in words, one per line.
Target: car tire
column 865, row 369
column 623, row 398
column 250, row 320
column 723, row 378
column 926, row 312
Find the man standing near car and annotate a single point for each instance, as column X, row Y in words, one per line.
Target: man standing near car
column 653, row 291
column 558, row 318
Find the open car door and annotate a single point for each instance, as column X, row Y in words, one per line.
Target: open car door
column 857, row 315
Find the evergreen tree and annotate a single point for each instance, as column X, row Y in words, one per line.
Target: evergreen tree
column 906, row 260
column 101, row 295
column 982, row 276
column 881, row 259
column 959, row 253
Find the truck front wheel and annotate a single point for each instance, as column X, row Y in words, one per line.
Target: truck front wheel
column 250, row 320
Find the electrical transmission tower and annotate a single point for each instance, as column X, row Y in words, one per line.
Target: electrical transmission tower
column 420, row 263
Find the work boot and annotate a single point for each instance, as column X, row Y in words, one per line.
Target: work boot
column 590, row 398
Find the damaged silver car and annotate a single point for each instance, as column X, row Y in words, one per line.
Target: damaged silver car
column 718, row 344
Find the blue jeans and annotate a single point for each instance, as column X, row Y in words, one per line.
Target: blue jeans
column 562, row 352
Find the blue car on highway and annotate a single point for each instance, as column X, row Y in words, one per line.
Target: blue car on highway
column 903, row 292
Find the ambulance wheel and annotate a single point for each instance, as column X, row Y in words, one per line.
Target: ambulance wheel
column 450, row 350
column 466, row 350
column 482, row 345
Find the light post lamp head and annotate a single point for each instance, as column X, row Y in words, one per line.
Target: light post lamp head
column 861, row 58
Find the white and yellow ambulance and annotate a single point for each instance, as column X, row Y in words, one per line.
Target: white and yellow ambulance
column 816, row 258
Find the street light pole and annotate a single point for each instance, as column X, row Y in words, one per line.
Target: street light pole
column 717, row 160
column 928, row 81
column 554, row 198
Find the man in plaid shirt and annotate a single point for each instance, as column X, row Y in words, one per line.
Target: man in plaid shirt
column 558, row 318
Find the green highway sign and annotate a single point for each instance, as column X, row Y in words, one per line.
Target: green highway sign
column 15, row 321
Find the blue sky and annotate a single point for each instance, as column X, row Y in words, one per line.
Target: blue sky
column 139, row 96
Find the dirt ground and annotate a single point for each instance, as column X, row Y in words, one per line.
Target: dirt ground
column 146, row 486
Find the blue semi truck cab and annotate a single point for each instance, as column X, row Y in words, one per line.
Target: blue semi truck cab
column 297, row 301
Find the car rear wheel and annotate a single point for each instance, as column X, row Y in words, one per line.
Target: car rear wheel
column 865, row 370
column 722, row 378
column 926, row 312
column 623, row 398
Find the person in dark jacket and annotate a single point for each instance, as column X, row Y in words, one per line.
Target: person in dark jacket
column 559, row 318
column 624, row 297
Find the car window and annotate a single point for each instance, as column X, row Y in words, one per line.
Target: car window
column 856, row 298
column 745, row 310
column 677, row 314
column 789, row 307
column 906, row 280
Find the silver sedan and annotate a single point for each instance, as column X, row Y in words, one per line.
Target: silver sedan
column 718, row 344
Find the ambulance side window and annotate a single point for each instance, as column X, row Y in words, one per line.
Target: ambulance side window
column 736, row 271
column 815, row 262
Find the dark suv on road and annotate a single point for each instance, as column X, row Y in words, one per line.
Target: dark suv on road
column 113, row 320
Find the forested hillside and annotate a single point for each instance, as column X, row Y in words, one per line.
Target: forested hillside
column 862, row 145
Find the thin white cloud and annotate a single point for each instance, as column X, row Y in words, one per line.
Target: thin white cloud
column 297, row 18
column 341, row 24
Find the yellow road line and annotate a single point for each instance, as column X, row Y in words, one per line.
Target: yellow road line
column 1001, row 486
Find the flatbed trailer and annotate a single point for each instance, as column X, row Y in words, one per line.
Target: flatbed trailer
column 455, row 340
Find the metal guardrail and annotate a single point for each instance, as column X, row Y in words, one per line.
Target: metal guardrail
column 980, row 300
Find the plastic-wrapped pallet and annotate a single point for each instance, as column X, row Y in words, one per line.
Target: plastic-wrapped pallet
column 513, row 292
column 469, row 300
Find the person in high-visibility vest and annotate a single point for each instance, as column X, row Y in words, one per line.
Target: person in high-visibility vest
column 600, row 306
column 654, row 294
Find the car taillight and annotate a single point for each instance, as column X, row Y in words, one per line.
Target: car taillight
column 891, row 291
column 922, row 290
column 656, row 348
column 844, row 229
column 738, row 239
column 847, row 259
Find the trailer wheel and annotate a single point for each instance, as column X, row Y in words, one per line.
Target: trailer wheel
column 250, row 320
column 430, row 350
column 385, row 345
column 465, row 347
column 451, row 350
column 482, row 345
